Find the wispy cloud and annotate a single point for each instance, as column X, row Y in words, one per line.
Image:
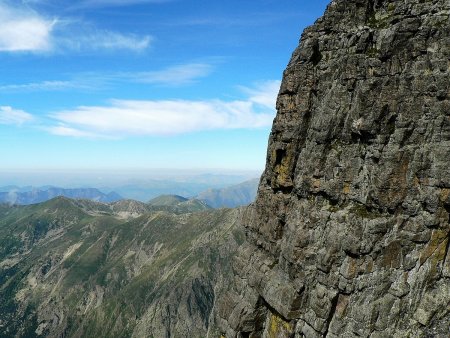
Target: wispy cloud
column 44, row 86
column 8, row 115
column 175, row 75
column 264, row 93
column 62, row 130
column 104, row 40
column 111, row 3
column 236, row 20
column 124, row 118
column 24, row 30
column 179, row 75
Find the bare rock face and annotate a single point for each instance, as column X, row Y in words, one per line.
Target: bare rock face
column 349, row 234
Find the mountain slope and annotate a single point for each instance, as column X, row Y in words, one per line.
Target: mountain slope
column 167, row 200
column 231, row 197
column 75, row 268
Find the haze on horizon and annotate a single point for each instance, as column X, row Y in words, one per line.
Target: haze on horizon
column 110, row 179
column 144, row 84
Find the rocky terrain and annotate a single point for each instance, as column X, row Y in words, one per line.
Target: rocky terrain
column 78, row 268
column 349, row 234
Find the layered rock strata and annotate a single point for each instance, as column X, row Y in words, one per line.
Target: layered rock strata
column 349, row 234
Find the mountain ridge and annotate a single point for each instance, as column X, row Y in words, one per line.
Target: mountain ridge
column 32, row 195
column 232, row 196
column 77, row 268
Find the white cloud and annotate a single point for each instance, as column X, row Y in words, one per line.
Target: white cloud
column 24, row 30
column 176, row 75
column 43, row 86
column 265, row 93
column 111, row 3
column 62, row 130
column 172, row 76
column 139, row 118
column 104, row 40
column 8, row 115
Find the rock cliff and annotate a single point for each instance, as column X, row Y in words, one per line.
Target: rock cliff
column 349, row 234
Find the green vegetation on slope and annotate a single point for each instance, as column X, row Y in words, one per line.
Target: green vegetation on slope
column 79, row 268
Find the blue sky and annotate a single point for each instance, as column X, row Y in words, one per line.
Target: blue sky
column 183, row 84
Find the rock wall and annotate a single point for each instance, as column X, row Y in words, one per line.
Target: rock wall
column 349, row 234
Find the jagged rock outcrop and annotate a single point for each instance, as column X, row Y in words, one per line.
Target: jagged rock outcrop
column 349, row 234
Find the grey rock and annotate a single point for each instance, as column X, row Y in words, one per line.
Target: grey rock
column 349, row 233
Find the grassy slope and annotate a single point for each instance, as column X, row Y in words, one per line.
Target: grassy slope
column 66, row 270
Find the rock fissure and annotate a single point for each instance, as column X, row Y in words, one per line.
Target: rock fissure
column 334, row 303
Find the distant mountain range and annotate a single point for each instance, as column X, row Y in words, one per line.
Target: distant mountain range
column 194, row 199
column 80, row 267
column 231, row 197
column 146, row 190
column 23, row 196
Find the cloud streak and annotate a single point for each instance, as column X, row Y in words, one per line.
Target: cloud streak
column 97, row 40
column 175, row 75
column 44, row 86
column 178, row 75
column 123, row 118
column 115, row 3
column 11, row 116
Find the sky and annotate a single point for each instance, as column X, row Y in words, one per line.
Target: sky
column 143, row 84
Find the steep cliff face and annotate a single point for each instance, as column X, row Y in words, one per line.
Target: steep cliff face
column 349, row 234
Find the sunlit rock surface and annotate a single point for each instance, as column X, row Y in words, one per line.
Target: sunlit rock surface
column 349, row 234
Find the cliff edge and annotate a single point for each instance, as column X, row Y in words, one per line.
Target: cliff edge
column 349, row 234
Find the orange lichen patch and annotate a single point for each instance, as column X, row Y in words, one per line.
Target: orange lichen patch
column 346, row 189
column 282, row 161
column 437, row 246
column 316, row 183
column 445, row 192
column 279, row 328
column 352, row 268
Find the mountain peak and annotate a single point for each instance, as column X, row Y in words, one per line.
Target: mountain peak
column 167, row 200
